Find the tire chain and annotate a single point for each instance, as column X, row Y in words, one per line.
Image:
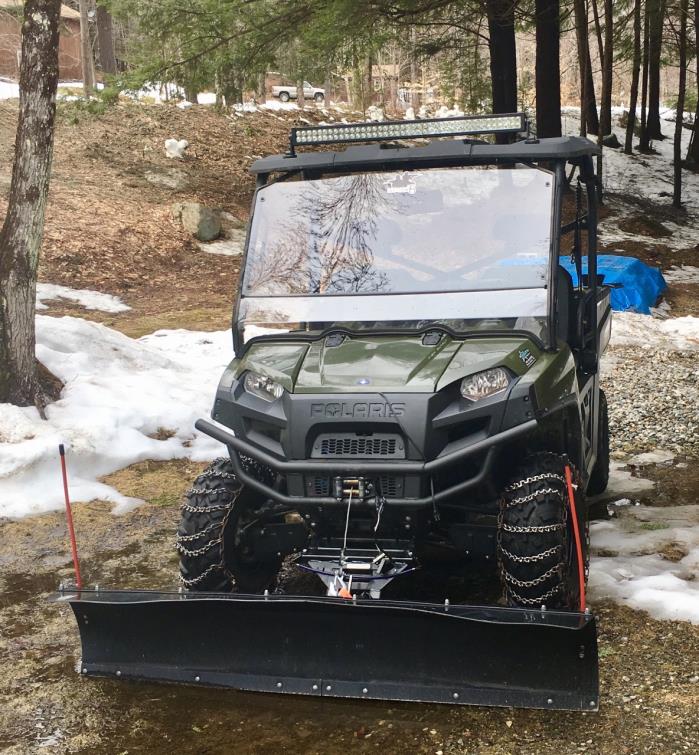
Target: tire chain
column 545, row 477
column 533, row 582
column 196, row 580
column 533, row 528
column 538, row 601
column 533, row 496
column 193, row 553
column 530, row 559
column 181, row 539
column 509, row 578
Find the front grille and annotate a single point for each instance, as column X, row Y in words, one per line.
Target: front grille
column 352, row 446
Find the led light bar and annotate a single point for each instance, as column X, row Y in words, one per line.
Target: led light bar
column 506, row 123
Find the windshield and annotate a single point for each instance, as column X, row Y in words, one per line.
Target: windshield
column 458, row 245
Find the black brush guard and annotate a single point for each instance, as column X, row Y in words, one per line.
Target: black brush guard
column 331, row 647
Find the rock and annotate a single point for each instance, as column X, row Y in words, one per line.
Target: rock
column 175, row 148
column 202, row 222
column 169, row 178
column 375, row 113
column 230, row 247
column 610, row 140
column 230, row 222
column 410, row 114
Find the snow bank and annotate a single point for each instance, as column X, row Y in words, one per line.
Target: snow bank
column 84, row 297
column 9, row 90
column 118, row 393
column 648, row 559
column 630, row 329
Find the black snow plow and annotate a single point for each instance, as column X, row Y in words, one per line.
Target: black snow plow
column 334, row 647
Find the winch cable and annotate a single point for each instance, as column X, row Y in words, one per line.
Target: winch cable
column 576, row 534
column 344, row 539
column 345, row 591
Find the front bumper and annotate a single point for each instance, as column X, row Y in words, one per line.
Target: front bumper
column 369, row 468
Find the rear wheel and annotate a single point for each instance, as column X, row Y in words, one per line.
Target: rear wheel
column 284, row 96
column 536, row 545
column 219, row 518
column 600, row 472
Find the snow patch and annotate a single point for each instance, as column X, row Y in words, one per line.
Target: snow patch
column 648, row 559
column 118, row 393
column 623, row 483
column 682, row 274
column 674, row 333
column 83, row 297
column 652, row 457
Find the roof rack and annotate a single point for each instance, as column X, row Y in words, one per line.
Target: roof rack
column 427, row 128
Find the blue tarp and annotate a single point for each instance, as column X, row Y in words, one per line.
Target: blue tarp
column 641, row 285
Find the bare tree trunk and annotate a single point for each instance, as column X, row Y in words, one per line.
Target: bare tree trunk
column 86, row 51
column 588, row 104
column 22, row 231
column 605, row 111
column 655, row 39
column 631, row 121
column 503, row 56
column 607, row 72
column 105, row 41
column 598, row 31
column 679, row 115
column 644, row 142
column 693, row 149
column 414, row 97
column 548, row 70
column 300, row 98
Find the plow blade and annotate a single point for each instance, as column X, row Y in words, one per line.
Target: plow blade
column 330, row 647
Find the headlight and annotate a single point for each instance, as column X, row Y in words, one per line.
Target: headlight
column 262, row 386
column 484, row 384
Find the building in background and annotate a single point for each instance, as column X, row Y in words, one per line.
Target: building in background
column 69, row 63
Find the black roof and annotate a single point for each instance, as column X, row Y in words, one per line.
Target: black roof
column 435, row 154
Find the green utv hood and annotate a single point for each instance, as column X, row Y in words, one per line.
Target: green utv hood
column 367, row 364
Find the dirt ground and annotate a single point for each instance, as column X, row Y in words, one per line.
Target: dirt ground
column 110, row 229
column 649, row 669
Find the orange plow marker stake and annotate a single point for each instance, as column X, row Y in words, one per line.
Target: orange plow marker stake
column 576, row 533
column 69, row 518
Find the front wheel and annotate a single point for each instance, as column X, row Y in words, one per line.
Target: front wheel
column 216, row 535
column 536, row 548
column 318, row 97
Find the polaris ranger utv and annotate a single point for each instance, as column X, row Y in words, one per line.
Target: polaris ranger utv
column 414, row 391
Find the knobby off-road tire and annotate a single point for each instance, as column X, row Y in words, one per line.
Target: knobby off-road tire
column 600, row 472
column 536, row 546
column 214, row 514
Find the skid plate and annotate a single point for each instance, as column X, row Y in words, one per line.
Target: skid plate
column 386, row 650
